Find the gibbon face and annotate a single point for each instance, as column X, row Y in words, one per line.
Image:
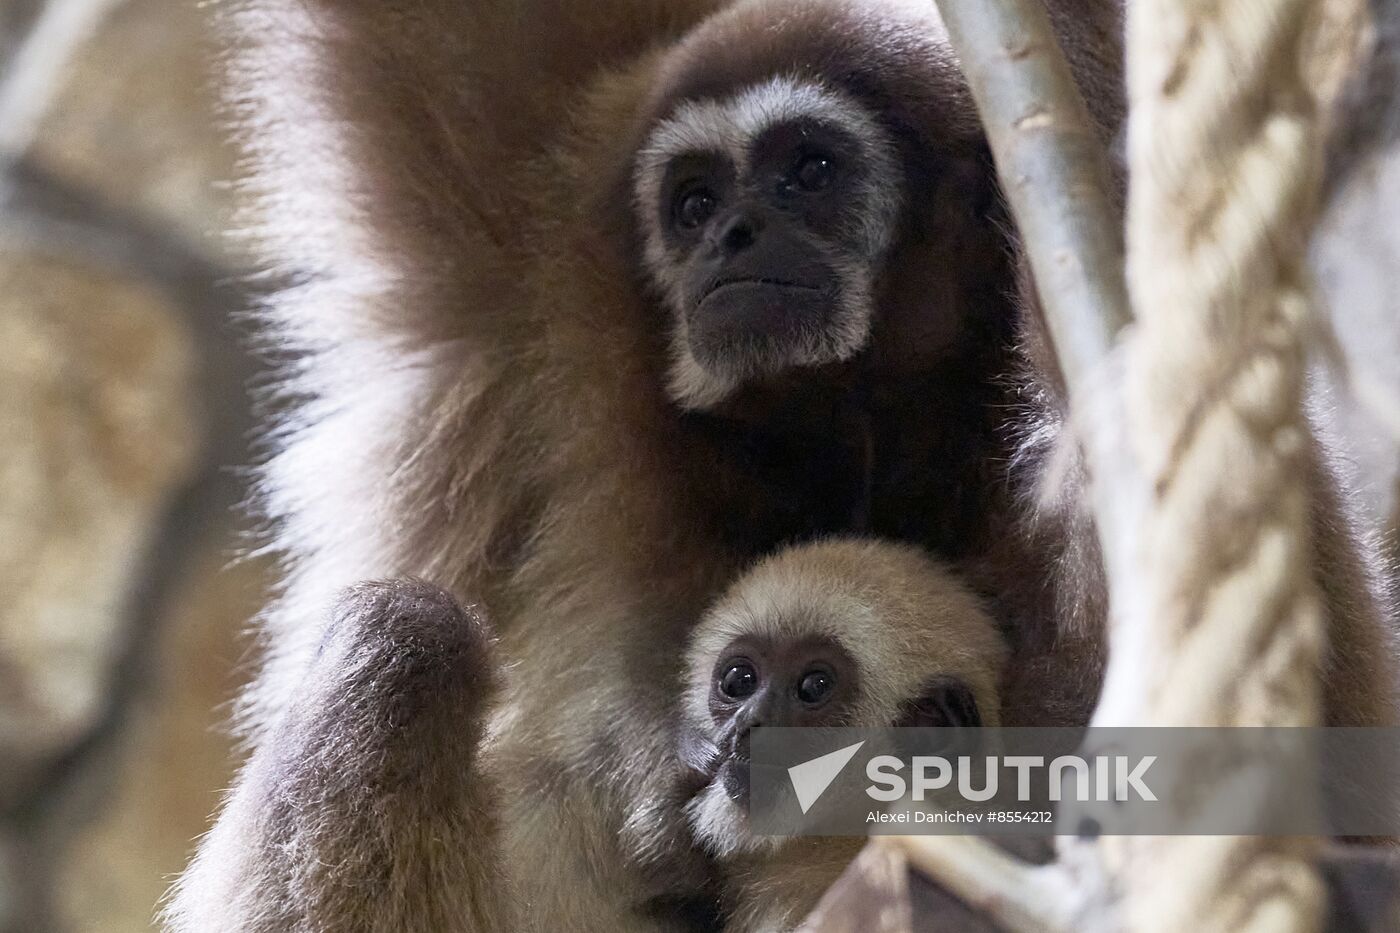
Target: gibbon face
column 808, row 680
column 765, row 217
column 839, row 632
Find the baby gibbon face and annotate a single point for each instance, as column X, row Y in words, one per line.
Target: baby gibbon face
column 766, row 216
column 842, row 632
column 808, row 680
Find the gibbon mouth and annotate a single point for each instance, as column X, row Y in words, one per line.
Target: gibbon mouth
column 743, row 316
column 737, row 774
column 783, row 284
column 734, row 778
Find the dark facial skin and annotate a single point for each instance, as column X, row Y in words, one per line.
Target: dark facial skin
column 803, row 682
column 763, row 254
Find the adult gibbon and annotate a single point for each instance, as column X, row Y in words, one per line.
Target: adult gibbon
column 595, row 304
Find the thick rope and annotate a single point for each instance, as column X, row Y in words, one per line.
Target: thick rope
column 1225, row 150
column 1225, row 163
column 1216, row 616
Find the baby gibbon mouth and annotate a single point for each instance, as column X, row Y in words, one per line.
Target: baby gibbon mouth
column 737, row 774
column 734, row 775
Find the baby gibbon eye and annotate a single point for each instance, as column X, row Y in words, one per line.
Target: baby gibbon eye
column 739, row 680
column 694, row 206
column 816, row 686
column 814, row 171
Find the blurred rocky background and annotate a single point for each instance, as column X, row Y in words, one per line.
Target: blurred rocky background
column 124, row 418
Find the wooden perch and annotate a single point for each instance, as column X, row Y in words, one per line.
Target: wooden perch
column 1054, row 172
column 1055, row 176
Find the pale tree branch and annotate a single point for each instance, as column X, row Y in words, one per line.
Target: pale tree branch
column 1056, row 177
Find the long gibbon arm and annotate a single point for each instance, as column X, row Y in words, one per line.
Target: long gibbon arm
column 361, row 810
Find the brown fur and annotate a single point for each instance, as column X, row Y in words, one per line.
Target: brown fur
column 776, row 891
column 476, row 398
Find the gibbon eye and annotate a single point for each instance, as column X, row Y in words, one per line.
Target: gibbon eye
column 739, row 680
column 814, row 172
column 816, row 686
column 694, row 206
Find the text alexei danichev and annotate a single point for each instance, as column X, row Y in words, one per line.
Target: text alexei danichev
column 923, row 816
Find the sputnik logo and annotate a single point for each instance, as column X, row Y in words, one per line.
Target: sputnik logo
column 811, row 778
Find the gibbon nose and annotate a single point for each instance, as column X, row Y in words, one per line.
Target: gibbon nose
column 739, row 232
column 757, row 713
